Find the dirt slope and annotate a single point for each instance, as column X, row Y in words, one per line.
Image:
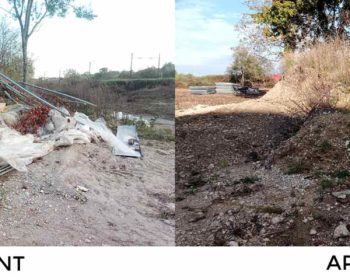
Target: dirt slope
column 128, row 202
column 253, row 174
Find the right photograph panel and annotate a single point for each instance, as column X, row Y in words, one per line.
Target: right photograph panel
column 262, row 123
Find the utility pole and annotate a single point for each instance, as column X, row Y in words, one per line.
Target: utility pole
column 89, row 68
column 59, row 77
column 132, row 57
column 159, row 65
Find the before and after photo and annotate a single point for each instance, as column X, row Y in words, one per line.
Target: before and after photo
column 174, row 123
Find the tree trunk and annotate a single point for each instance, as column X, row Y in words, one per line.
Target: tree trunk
column 24, row 59
column 25, row 36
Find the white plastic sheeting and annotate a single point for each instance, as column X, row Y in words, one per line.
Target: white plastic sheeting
column 128, row 135
column 100, row 129
column 20, row 150
column 10, row 116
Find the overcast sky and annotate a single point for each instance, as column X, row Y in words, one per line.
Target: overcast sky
column 145, row 28
column 205, row 33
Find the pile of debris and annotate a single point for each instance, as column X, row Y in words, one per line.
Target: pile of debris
column 199, row 90
column 34, row 121
column 225, row 88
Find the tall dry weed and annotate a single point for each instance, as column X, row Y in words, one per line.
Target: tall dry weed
column 319, row 76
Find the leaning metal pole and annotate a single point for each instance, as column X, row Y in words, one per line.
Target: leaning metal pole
column 59, row 93
column 33, row 95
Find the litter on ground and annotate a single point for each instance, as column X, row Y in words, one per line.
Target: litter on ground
column 32, row 126
column 224, row 88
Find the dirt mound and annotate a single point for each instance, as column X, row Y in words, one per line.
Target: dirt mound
column 320, row 146
column 82, row 195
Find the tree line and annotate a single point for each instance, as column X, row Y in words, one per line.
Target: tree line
column 104, row 74
column 273, row 28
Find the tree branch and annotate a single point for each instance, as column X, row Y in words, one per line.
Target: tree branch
column 7, row 11
column 37, row 23
column 22, row 7
column 15, row 8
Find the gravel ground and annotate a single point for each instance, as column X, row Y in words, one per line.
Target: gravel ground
column 236, row 186
column 82, row 195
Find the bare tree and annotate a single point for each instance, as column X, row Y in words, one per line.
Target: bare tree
column 10, row 51
column 8, row 43
column 30, row 13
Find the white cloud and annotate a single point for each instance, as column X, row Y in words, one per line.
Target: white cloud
column 203, row 37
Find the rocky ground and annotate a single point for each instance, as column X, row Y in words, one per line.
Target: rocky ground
column 265, row 178
column 83, row 195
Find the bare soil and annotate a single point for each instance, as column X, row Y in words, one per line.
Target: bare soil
column 252, row 173
column 185, row 100
column 128, row 201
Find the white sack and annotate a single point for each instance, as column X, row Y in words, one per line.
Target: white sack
column 70, row 137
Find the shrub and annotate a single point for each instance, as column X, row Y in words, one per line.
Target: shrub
column 136, row 84
column 342, row 174
column 325, row 146
column 326, row 184
column 249, row 180
column 297, row 167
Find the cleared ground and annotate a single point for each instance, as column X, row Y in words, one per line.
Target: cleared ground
column 253, row 173
column 185, row 100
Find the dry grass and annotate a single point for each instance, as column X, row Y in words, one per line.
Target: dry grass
column 185, row 100
column 184, row 81
column 319, row 76
column 157, row 101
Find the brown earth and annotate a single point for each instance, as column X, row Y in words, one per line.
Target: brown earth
column 185, row 100
column 261, row 178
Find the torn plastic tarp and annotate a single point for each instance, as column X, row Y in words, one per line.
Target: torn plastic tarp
column 20, row 150
column 101, row 130
column 128, row 135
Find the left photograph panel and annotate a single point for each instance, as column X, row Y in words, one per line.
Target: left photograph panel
column 87, row 130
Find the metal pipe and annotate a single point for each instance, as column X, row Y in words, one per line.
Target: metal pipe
column 34, row 95
column 59, row 93
column 5, row 169
column 15, row 91
column 10, row 97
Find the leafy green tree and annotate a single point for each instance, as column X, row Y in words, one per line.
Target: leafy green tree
column 299, row 22
column 247, row 67
column 30, row 13
column 168, row 70
column 147, row 73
